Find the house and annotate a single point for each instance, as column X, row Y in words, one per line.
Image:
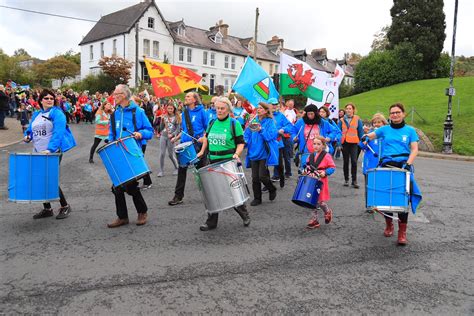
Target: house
column 141, row 31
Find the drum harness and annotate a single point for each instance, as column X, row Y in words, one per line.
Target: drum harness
column 297, row 157
column 114, row 130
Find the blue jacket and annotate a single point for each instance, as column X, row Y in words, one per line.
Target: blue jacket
column 62, row 138
column 281, row 122
column 237, row 114
column 262, row 145
column 199, row 122
column 325, row 130
column 371, row 160
column 338, row 131
column 124, row 118
column 211, row 114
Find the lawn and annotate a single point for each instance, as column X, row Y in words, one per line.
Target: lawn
column 428, row 99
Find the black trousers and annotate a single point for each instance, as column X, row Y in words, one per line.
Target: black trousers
column 120, row 202
column 260, row 174
column 182, row 174
column 147, row 178
column 350, row 151
column 94, row 147
column 279, row 171
column 214, row 217
column 62, row 199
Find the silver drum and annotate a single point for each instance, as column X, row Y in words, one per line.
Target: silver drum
column 223, row 185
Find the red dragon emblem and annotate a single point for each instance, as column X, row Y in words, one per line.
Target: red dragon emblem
column 301, row 80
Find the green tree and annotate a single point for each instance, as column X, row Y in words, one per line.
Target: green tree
column 380, row 42
column 421, row 23
column 56, row 68
column 72, row 56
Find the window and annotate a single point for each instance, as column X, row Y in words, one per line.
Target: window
column 260, row 63
column 181, row 31
column 218, row 39
column 204, row 58
column 226, row 62
column 213, row 59
column 146, row 47
column 181, row 54
column 114, row 47
column 226, row 85
column 232, row 62
column 189, row 55
column 271, row 69
column 156, row 49
column 276, row 68
column 91, row 52
column 151, row 23
column 102, row 50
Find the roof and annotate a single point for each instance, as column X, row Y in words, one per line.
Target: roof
column 233, row 45
column 118, row 22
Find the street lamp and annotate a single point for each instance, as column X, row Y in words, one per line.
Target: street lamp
column 448, row 123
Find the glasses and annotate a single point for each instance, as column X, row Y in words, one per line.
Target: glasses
column 48, row 98
column 118, row 93
column 396, row 113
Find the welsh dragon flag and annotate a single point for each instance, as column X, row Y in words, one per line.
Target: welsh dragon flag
column 297, row 77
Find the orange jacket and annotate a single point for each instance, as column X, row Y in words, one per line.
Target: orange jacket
column 102, row 129
column 349, row 134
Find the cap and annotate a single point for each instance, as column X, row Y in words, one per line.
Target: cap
column 273, row 101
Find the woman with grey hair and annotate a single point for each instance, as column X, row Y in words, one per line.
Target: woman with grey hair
column 225, row 139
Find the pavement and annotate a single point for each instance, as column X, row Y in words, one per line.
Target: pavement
column 78, row 266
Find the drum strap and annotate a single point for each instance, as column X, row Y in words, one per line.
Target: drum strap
column 189, row 126
column 114, row 128
column 315, row 164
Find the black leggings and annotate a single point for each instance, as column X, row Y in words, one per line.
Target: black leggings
column 147, row 178
column 94, row 147
column 350, row 151
column 261, row 174
column 62, row 199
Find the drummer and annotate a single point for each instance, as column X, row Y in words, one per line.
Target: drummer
column 224, row 137
column 400, row 148
column 128, row 120
column 50, row 134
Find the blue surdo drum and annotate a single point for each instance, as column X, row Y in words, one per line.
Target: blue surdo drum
column 124, row 161
column 388, row 189
column 33, row 177
column 186, row 154
column 307, row 192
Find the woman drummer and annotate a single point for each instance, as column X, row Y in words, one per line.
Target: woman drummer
column 400, row 148
column 49, row 134
column 224, row 136
column 260, row 137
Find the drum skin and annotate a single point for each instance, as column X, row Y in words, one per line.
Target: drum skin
column 33, row 177
column 124, row 161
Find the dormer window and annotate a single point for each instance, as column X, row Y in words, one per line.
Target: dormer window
column 218, row 38
column 181, row 31
column 151, row 23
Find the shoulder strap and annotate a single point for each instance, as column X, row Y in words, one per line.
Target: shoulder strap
column 187, row 119
column 306, row 140
column 112, row 125
column 210, row 125
column 316, row 163
column 232, row 126
column 134, row 119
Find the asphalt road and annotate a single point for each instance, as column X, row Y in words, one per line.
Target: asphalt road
column 79, row 266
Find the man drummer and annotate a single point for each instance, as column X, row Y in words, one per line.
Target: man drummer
column 128, row 120
column 194, row 123
column 225, row 139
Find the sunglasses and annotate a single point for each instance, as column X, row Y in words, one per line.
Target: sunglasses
column 48, row 98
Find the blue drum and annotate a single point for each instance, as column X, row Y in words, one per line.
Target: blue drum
column 33, row 177
column 307, row 192
column 124, row 161
column 388, row 189
column 186, row 154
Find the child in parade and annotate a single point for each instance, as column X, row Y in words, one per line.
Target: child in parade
column 320, row 165
column 24, row 120
column 372, row 149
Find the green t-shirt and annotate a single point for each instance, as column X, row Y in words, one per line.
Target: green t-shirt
column 220, row 138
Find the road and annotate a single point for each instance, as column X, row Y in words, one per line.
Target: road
column 79, row 266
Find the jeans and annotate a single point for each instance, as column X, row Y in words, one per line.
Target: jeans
column 120, row 202
column 260, row 174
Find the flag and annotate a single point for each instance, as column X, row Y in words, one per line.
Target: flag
column 169, row 80
column 254, row 83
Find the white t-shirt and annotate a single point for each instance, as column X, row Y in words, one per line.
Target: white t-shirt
column 42, row 131
column 290, row 115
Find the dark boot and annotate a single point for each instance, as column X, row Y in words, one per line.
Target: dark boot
column 244, row 214
column 211, row 222
column 388, row 232
column 402, row 234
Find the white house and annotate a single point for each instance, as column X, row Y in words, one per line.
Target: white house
column 214, row 54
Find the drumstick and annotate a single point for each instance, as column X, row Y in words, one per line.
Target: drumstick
column 190, row 136
column 373, row 152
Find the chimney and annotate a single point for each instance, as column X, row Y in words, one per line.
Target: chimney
column 319, row 53
column 275, row 43
column 223, row 28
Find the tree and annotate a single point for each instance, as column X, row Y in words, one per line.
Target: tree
column 352, row 58
column 421, row 23
column 72, row 56
column 21, row 52
column 380, row 42
column 56, row 68
column 117, row 68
